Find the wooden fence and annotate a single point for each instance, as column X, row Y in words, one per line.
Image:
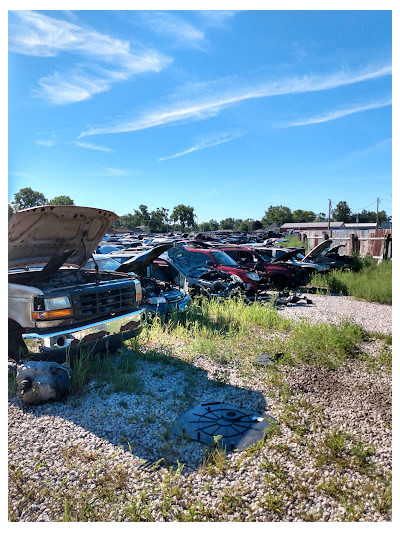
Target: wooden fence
column 377, row 243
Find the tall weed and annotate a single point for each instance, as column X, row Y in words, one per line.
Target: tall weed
column 371, row 282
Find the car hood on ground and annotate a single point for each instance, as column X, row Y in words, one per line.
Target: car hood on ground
column 317, row 251
column 139, row 263
column 55, row 234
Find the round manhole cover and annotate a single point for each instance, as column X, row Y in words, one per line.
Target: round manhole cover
column 237, row 427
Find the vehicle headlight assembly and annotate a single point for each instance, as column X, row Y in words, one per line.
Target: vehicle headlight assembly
column 59, row 302
column 253, row 276
column 54, row 307
column 156, row 300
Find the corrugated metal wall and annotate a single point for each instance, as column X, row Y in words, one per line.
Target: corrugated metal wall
column 377, row 243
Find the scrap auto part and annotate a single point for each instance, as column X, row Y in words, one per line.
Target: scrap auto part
column 237, row 427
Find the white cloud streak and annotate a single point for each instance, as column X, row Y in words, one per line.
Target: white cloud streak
column 340, row 113
column 206, row 143
column 47, row 144
column 90, row 146
column 35, row 34
column 171, row 25
column 205, row 108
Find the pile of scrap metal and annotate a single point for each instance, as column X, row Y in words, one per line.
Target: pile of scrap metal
column 285, row 298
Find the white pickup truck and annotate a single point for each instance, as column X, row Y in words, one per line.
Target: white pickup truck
column 55, row 305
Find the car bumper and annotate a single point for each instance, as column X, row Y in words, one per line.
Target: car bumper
column 160, row 309
column 98, row 334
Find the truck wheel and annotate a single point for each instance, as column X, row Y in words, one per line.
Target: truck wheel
column 16, row 347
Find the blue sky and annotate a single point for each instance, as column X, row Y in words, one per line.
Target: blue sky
column 226, row 111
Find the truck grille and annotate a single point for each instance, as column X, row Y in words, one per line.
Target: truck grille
column 108, row 299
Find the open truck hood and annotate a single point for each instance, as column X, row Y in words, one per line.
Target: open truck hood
column 139, row 263
column 334, row 250
column 288, row 255
column 317, row 251
column 55, row 234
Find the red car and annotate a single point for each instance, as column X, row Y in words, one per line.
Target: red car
column 185, row 256
column 279, row 275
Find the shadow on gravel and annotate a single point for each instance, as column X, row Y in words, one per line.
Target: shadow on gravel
column 138, row 406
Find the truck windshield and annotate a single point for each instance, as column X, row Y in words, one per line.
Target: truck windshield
column 223, row 259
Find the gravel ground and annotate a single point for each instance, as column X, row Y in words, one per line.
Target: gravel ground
column 371, row 316
column 329, row 460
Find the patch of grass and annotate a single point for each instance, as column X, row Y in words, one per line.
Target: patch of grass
column 345, row 451
column 215, row 460
column 321, row 344
column 370, row 281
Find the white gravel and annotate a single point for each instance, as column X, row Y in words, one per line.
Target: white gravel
column 373, row 317
column 64, row 455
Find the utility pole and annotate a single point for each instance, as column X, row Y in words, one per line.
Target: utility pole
column 329, row 216
column 377, row 213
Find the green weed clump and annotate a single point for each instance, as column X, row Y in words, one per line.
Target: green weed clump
column 370, row 281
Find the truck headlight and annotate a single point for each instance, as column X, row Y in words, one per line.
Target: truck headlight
column 253, row 276
column 55, row 307
column 58, row 302
column 156, row 300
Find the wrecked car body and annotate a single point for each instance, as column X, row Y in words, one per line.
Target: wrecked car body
column 294, row 257
column 278, row 275
column 158, row 297
column 56, row 305
column 160, row 264
column 196, row 264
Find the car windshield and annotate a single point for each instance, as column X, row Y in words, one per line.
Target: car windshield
column 223, row 259
column 103, row 264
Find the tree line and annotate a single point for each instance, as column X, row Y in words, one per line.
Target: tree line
column 183, row 218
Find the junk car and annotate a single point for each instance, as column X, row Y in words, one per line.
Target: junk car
column 278, row 275
column 199, row 279
column 159, row 297
column 55, row 305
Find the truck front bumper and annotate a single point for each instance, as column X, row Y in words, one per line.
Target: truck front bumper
column 96, row 335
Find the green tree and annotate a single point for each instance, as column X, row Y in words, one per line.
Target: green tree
column 10, row 211
column 62, row 200
column 369, row 216
column 211, row 225
column 228, row 223
column 159, row 219
column 320, row 217
column 342, row 212
column 303, row 216
column 277, row 213
column 27, row 197
column 184, row 215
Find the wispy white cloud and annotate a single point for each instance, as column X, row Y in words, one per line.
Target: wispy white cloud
column 216, row 18
column 340, row 113
column 201, row 144
column 22, row 174
column 171, row 25
column 35, row 34
column 90, row 146
column 202, row 108
column 45, row 143
column 381, row 145
column 109, row 171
